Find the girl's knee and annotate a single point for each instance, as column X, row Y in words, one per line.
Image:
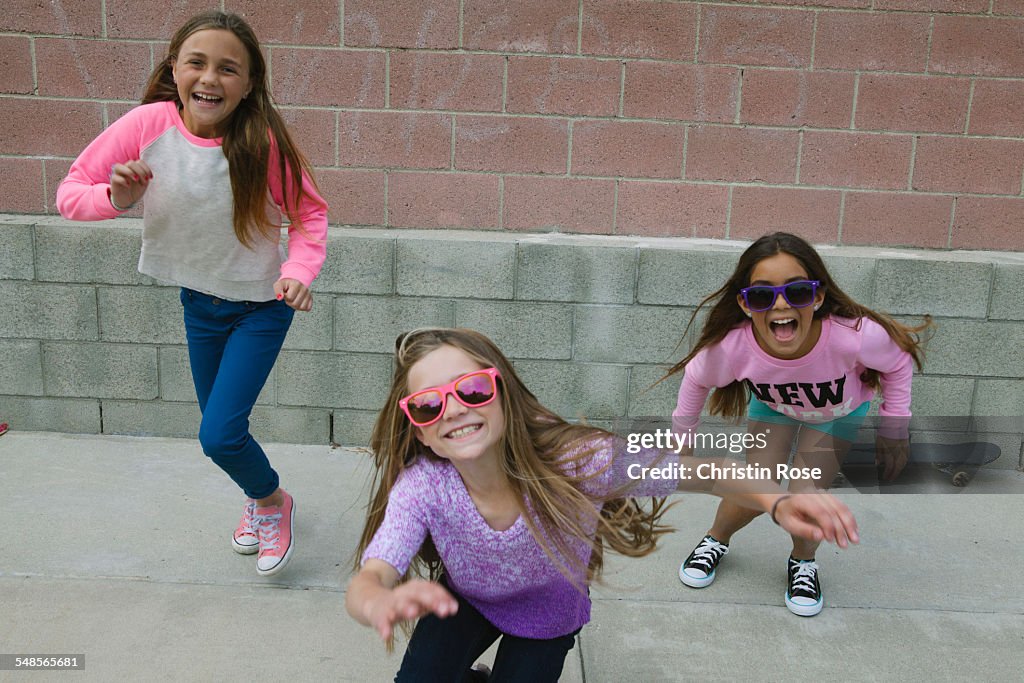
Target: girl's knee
column 218, row 440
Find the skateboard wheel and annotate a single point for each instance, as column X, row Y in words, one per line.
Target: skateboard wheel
column 961, row 479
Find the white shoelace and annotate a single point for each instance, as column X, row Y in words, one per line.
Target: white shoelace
column 269, row 531
column 804, row 577
column 246, row 526
column 248, row 516
column 708, row 552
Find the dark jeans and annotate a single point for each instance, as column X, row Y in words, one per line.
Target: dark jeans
column 443, row 650
column 232, row 346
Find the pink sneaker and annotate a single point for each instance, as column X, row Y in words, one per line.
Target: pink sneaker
column 274, row 526
column 245, row 540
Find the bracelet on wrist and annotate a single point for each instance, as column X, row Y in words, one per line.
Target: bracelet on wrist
column 114, row 204
column 775, row 506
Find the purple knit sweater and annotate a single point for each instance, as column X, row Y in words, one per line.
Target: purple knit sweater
column 504, row 574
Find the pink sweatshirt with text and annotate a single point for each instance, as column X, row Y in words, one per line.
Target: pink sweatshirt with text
column 821, row 386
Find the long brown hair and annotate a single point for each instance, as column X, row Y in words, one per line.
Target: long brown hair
column 246, row 142
column 539, row 452
column 726, row 314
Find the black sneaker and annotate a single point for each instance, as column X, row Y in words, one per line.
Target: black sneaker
column 803, row 596
column 699, row 569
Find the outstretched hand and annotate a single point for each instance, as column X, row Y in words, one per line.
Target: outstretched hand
column 408, row 601
column 817, row 517
column 294, row 293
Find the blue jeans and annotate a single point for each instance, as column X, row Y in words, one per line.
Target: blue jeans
column 443, row 650
column 232, row 346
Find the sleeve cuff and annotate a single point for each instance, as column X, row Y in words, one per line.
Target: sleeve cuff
column 296, row 271
column 101, row 201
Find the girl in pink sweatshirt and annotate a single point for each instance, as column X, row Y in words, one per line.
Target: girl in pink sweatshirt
column 219, row 171
column 784, row 345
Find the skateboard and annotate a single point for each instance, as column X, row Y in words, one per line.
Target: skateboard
column 960, row 461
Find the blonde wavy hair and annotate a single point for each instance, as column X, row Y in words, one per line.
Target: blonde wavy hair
column 540, row 453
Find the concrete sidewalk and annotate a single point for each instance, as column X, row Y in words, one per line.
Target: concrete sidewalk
column 118, row 548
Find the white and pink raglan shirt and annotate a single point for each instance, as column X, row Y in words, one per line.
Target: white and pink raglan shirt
column 188, row 237
column 822, row 386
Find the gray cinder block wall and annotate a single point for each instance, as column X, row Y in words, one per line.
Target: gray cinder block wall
column 89, row 345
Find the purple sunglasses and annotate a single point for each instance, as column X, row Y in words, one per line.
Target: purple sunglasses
column 798, row 294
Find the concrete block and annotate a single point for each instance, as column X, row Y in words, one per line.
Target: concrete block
column 1008, row 293
column 956, row 289
column 577, row 390
column 679, row 277
column 629, row 334
column 151, row 418
column 335, row 380
column 573, row 272
column 938, row 396
column 999, row 397
column 16, row 262
column 353, row 427
column 175, row 374
column 647, row 396
column 100, row 370
column 71, row 415
column 542, row 331
column 313, row 330
column 357, row 265
column 854, row 275
column 21, row 368
column 371, row 324
column 276, row 424
column 176, row 378
column 48, row 311
column 100, row 253
column 456, row 268
column 141, row 315
column 967, row 347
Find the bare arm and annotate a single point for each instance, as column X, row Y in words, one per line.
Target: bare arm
column 373, row 600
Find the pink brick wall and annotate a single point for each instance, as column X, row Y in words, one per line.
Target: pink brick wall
column 878, row 122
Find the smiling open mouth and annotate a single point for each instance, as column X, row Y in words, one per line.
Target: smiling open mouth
column 206, row 99
column 783, row 329
column 462, row 431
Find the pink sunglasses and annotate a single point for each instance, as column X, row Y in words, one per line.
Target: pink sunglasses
column 473, row 390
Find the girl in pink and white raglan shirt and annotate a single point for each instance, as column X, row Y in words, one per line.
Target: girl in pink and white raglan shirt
column 219, row 172
column 785, row 346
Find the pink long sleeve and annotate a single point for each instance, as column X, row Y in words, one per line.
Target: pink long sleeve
column 879, row 352
column 896, row 369
column 821, row 386
column 84, row 195
column 306, row 252
column 708, row 370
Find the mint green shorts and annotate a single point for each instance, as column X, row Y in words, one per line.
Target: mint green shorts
column 844, row 428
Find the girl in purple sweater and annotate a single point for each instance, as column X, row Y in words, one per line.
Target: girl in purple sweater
column 219, row 172
column 506, row 509
column 785, row 346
